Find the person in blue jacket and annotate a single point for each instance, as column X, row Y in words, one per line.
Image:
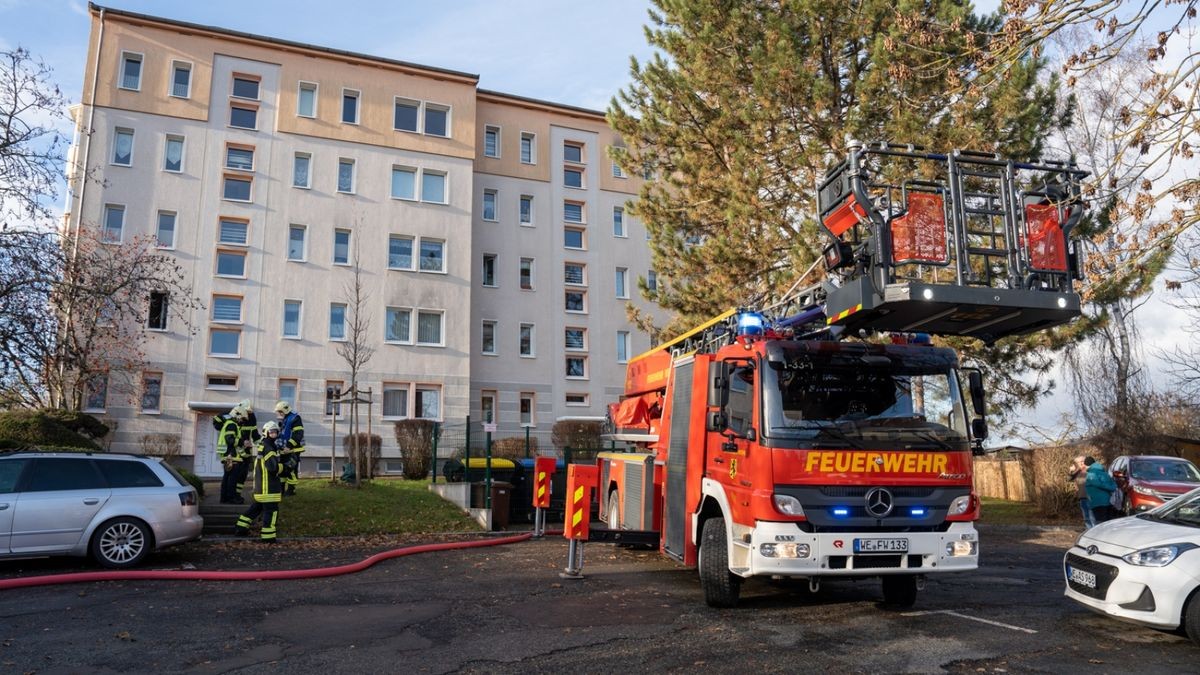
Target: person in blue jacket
column 1100, row 487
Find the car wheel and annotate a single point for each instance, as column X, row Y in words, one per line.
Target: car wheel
column 614, row 511
column 899, row 591
column 121, row 543
column 1191, row 617
column 721, row 587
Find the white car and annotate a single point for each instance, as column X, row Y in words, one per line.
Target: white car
column 1144, row 568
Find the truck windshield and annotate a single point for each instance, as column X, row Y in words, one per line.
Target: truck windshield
column 870, row 395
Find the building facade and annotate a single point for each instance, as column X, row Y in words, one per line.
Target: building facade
column 489, row 231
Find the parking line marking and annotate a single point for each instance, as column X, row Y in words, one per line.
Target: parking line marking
column 972, row 618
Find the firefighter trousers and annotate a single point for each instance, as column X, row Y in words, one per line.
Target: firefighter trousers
column 290, row 474
column 230, row 480
column 270, row 519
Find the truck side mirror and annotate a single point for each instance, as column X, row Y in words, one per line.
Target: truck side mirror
column 718, row 385
column 975, row 384
column 716, row 421
column 979, row 429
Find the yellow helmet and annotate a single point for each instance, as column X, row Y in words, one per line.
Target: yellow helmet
column 246, row 405
column 237, row 412
column 283, row 407
column 270, row 426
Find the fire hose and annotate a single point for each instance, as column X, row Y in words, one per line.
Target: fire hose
column 253, row 575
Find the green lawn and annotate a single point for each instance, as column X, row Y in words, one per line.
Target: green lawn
column 1002, row 512
column 387, row 506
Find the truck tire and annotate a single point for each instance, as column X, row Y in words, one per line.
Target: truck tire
column 721, row 587
column 899, row 591
column 614, row 511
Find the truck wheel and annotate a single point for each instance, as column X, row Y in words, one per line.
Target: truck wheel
column 899, row 591
column 614, row 511
column 721, row 587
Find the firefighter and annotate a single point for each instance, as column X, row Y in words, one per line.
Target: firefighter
column 292, row 435
column 267, row 487
column 228, row 430
column 248, row 437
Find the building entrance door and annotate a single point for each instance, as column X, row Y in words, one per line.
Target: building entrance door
column 206, row 464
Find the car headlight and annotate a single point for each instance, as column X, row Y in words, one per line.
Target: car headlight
column 788, row 505
column 1156, row 556
column 960, row 505
column 1143, row 490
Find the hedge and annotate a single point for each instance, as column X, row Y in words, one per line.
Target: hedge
column 41, row 429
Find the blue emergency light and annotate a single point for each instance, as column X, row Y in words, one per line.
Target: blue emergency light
column 840, row 511
column 917, row 511
column 750, row 323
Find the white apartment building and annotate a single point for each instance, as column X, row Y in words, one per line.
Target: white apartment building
column 491, row 232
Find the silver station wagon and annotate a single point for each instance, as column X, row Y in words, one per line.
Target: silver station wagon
column 117, row 508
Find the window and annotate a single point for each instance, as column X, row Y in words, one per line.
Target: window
column 573, row 238
column 437, row 120
column 240, row 158
column 491, row 141
column 576, row 399
column 622, row 278
column 528, row 150
column 131, row 71
column 123, row 147
column 337, row 321
column 489, row 205
column 429, row 402
column 296, row 243
column 156, row 318
column 350, row 106
column 301, row 177
column 575, row 339
column 173, row 154
column 333, row 390
column 151, row 392
column 574, row 273
column 243, row 117
column 306, row 100
column 573, row 178
column 114, row 223
column 400, row 252
column 525, row 340
column 397, row 327
column 617, row 171
column 573, row 212
column 395, row 401
column 652, row 281
column 227, row 309
column 576, row 301
column 221, row 382
column 527, row 274
column 222, row 342
column 432, row 257
column 245, row 87
column 237, row 188
column 406, row 115
column 345, row 175
column 232, row 232
column 341, row 247
column 291, row 318
column 622, row 346
column 576, row 367
column 526, row 210
column 429, row 328
column 287, row 391
column 58, row 474
column 95, row 392
column 487, row 407
column 619, row 222
column 166, row 229
column 489, row 269
column 489, row 338
column 404, row 182
column 231, row 263
column 433, row 187
column 572, row 152
column 526, row 409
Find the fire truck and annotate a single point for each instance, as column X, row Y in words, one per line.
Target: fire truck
column 826, row 435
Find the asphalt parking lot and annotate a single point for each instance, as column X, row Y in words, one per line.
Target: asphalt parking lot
column 504, row 609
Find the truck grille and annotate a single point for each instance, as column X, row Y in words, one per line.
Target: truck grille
column 861, row 491
column 877, row 562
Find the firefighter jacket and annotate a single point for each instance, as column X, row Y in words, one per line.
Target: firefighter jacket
column 248, row 431
column 267, row 485
column 227, row 437
column 291, row 431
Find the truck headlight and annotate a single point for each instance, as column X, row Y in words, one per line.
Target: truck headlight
column 960, row 505
column 1156, row 556
column 788, row 505
column 784, row 550
column 956, row 549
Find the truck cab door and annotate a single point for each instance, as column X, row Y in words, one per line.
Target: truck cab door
column 727, row 447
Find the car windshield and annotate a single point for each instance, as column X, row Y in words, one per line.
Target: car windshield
column 867, row 394
column 1183, row 510
column 1179, row 471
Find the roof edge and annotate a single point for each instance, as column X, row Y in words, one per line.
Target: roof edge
column 534, row 102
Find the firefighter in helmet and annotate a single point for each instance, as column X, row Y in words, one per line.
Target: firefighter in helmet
column 268, row 488
column 228, row 427
column 292, row 434
column 248, row 437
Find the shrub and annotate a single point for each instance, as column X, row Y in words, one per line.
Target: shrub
column 369, row 447
column 514, row 448
column 193, row 479
column 577, row 434
column 415, row 438
column 1053, row 493
column 80, row 423
column 166, row 446
column 37, row 428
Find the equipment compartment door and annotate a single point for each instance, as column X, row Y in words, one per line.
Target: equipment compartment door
column 675, row 518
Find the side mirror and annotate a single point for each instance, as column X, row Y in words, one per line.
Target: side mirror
column 718, row 385
column 975, row 384
column 716, row 421
column 979, row 429
column 1118, row 474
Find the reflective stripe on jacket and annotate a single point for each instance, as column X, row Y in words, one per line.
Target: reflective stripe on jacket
column 267, row 486
column 228, row 437
column 248, row 431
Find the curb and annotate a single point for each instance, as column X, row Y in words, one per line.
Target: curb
column 997, row 527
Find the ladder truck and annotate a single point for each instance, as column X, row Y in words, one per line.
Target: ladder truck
column 825, row 436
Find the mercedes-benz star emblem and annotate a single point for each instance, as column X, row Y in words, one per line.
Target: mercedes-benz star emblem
column 879, row 502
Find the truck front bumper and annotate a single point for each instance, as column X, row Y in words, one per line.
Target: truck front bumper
column 783, row 549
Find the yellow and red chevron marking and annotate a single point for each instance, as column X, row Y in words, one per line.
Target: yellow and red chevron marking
column 843, row 314
column 543, row 469
column 581, row 480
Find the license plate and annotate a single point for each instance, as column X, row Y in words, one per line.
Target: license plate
column 880, row 545
column 1081, row 577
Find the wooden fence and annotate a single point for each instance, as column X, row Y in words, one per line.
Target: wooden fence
column 1002, row 479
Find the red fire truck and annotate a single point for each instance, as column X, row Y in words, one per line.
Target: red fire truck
column 826, row 436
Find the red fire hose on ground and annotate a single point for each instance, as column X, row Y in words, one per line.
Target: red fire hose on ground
column 257, row 575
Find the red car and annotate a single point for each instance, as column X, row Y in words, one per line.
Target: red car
column 1146, row 481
